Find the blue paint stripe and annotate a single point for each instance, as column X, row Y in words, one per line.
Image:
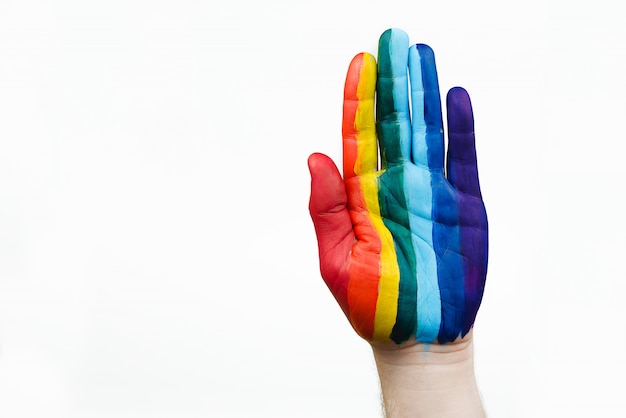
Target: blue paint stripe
column 432, row 108
column 445, row 216
column 420, row 202
column 450, row 274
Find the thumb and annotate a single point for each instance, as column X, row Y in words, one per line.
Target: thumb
column 335, row 236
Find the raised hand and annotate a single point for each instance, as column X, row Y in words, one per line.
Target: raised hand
column 403, row 245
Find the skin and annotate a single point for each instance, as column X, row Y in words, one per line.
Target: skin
column 429, row 381
column 403, row 241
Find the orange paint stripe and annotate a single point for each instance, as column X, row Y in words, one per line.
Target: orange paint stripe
column 358, row 129
column 365, row 269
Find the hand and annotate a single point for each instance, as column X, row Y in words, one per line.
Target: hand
column 403, row 246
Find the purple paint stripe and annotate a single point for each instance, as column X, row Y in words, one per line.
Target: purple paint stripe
column 474, row 248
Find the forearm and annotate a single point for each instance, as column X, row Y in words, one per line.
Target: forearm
column 429, row 381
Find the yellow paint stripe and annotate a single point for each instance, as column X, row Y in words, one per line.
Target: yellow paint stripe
column 364, row 122
column 365, row 167
column 388, row 285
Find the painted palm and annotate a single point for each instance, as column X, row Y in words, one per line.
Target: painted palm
column 403, row 245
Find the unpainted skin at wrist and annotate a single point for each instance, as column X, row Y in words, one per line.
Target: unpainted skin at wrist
column 429, row 380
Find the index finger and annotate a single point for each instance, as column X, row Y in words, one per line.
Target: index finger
column 360, row 151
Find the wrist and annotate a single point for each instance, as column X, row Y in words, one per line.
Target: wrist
column 422, row 380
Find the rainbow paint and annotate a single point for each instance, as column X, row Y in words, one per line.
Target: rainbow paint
column 416, row 266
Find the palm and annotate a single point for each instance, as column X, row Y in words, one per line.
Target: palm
column 411, row 263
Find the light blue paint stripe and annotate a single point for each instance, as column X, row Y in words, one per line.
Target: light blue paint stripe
column 420, row 201
column 398, row 57
column 419, row 150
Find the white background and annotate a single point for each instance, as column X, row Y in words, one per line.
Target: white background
column 156, row 254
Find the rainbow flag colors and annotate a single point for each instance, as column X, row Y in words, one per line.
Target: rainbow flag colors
column 417, row 264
